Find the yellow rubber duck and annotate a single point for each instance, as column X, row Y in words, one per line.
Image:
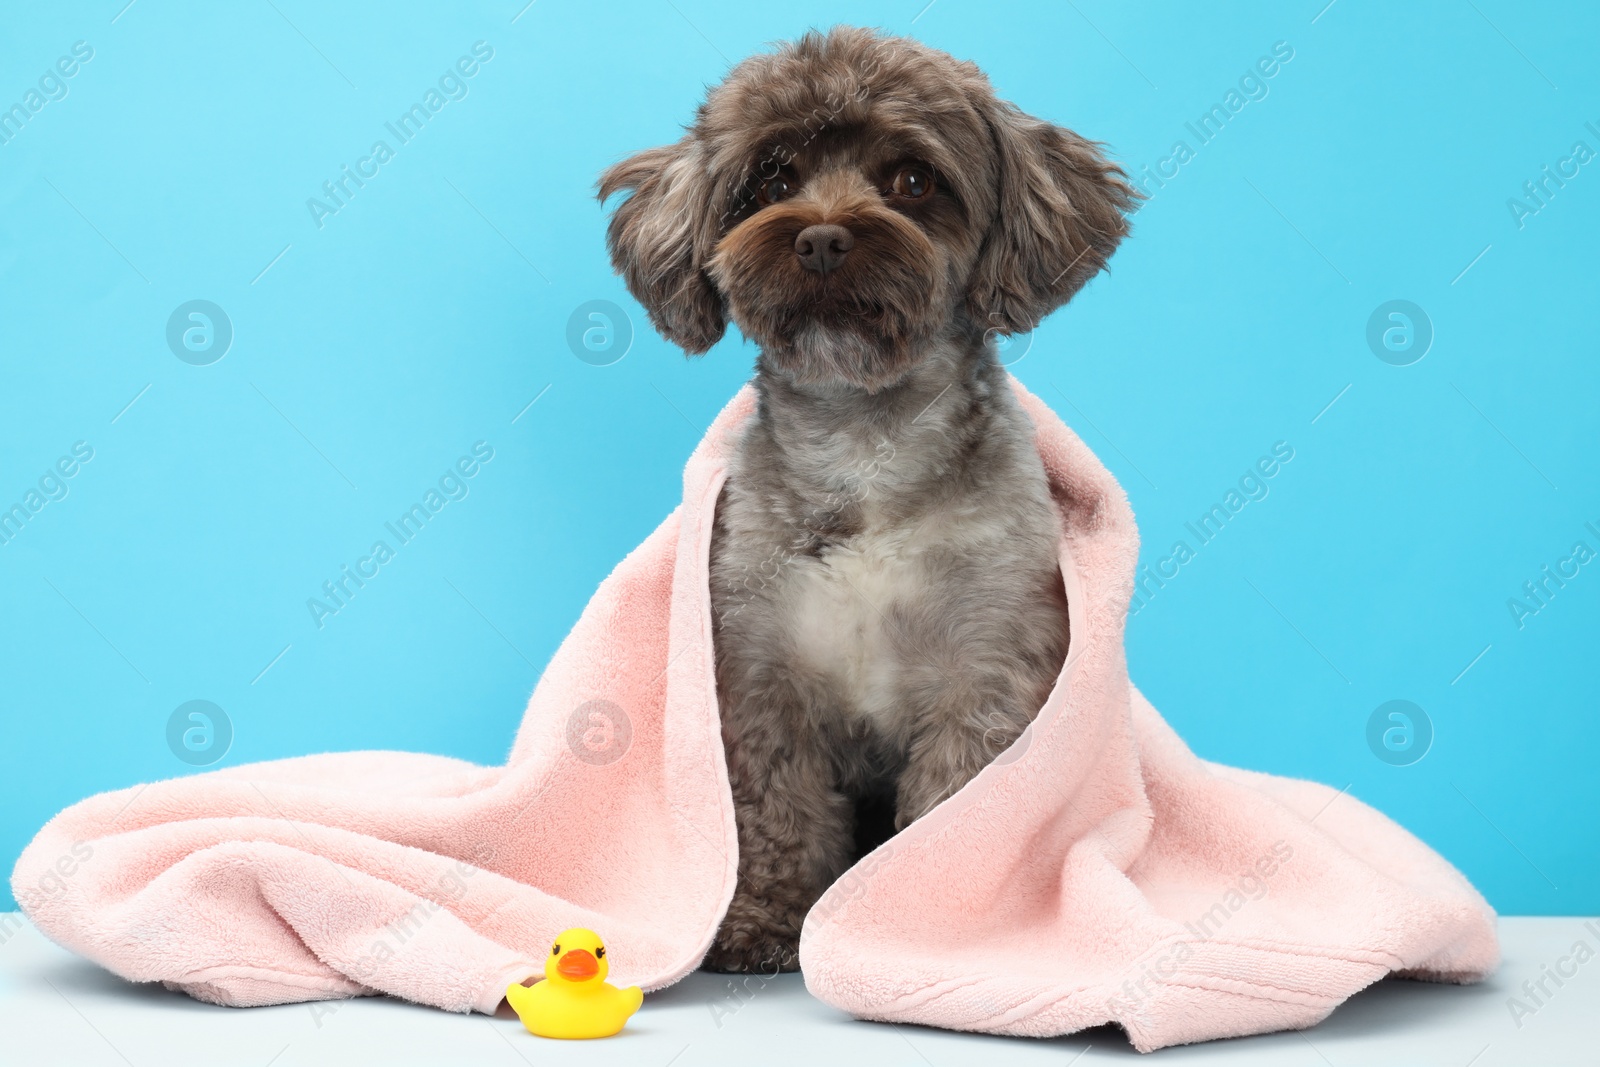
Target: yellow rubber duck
column 574, row 1000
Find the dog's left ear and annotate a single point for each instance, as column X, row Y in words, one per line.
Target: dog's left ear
column 660, row 237
column 1059, row 218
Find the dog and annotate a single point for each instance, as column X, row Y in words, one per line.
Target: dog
column 888, row 608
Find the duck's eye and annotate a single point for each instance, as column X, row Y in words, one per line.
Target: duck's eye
column 555, row 950
column 913, row 183
column 776, row 188
column 600, row 953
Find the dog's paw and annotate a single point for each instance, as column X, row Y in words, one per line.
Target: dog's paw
column 758, row 954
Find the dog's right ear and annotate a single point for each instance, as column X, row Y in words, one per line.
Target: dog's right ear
column 660, row 237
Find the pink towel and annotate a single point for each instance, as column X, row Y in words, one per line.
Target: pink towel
column 1096, row 872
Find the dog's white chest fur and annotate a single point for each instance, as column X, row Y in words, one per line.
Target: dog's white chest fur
column 843, row 608
column 848, row 620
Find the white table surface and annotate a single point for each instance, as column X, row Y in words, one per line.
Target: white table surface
column 58, row 1009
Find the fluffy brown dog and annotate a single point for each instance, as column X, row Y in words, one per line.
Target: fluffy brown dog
column 889, row 613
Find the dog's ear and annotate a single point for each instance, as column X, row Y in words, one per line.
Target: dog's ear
column 1059, row 218
column 659, row 239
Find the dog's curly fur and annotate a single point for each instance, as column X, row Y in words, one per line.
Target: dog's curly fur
column 889, row 613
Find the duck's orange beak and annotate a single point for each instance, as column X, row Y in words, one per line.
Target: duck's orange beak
column 578, row 965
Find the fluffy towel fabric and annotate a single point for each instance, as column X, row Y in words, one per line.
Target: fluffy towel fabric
column 1097, row 871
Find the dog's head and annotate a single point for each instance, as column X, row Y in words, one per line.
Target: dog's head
column 851, row 197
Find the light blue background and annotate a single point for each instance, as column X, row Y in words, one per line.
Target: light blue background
column 432, row 309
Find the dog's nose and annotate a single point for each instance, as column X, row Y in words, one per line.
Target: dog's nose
column 822, row 248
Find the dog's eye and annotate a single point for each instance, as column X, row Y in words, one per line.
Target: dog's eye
column 913, row 183
column 776, row 188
